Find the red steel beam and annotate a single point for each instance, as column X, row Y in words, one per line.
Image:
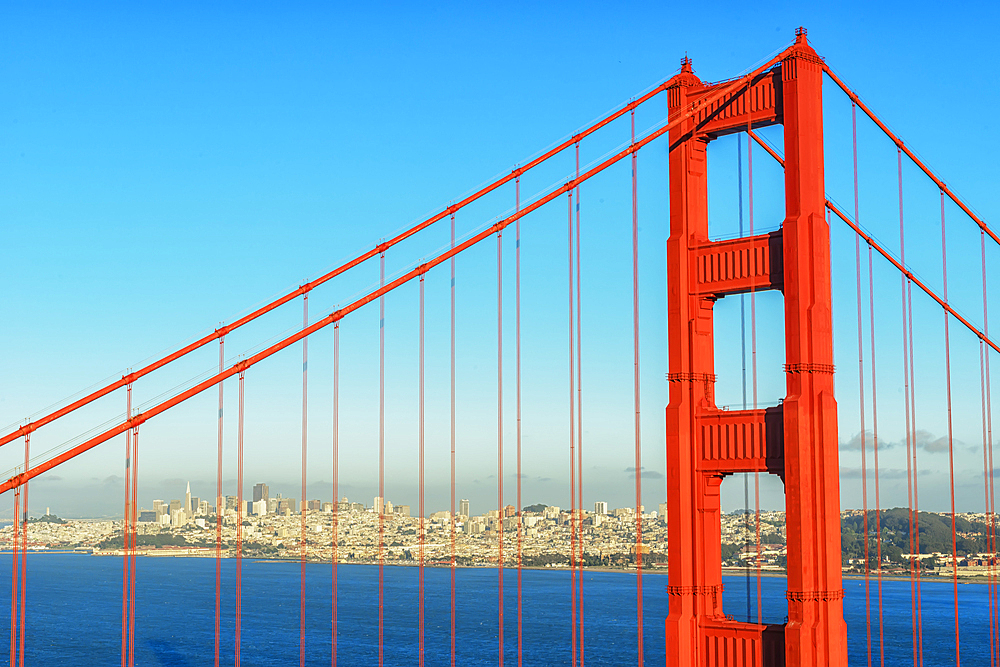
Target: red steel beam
column 339, row 314
column 899, row 144
column 885, row 253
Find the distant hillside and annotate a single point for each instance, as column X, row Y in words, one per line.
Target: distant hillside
column 934, row 533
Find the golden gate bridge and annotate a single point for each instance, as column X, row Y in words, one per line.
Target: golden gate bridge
column 797, row 440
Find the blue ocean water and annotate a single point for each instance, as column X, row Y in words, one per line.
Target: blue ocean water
column 74, row 614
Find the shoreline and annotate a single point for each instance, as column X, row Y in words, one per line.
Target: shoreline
column 726, row 571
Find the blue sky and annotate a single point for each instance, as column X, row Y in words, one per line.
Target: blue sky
column 165, row 168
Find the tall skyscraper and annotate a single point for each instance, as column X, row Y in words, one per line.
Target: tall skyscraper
column 260, row 493
column 187, row 501
column 463, row 507
column 600, row 507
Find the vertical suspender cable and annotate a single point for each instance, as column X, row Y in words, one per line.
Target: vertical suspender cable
column 753, row 372
column 125, row 524
column 14, row 572
column 239, row 520
column 219, row 510
column 916, row 496
column 861, row 387
column 910, row 442
column 132, row 533
column 304, row 503
column 452, row 264
column 24, row 548
column 579, row 415
column 420, row 466
column 500, row 619
column 517, row 371
column 986, row 490
column 381, row 456
column 638, row 428
column 572, row 436
column 951, row 449
column 743, row 361
column 335, row 555
column 878, row 500
column 991, row 502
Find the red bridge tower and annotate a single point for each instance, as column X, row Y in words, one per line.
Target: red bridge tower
column 796, row 441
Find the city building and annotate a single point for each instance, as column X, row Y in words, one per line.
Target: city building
column 187, row 500
column 600, row 507
column 260, row 493
column 463, row 507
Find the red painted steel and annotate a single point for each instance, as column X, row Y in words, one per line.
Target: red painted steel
column 815, row 633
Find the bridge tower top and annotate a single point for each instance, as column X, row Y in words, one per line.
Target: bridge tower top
column 798, row 439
